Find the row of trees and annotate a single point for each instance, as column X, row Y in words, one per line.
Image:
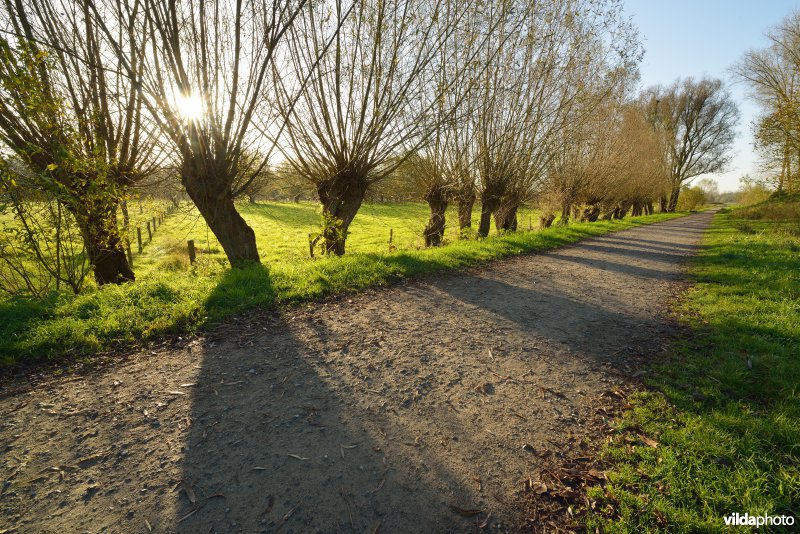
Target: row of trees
column 501, row 101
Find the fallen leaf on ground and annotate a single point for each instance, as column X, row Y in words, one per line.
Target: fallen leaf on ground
column 465, row 512
column 297, row 457
column 187, row 488
column 647, row 441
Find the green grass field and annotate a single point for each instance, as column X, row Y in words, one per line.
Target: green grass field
column 725, row 406
column 172, row 297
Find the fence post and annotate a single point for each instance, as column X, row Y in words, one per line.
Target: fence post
column 192, row 255
column 154, row 224
column 391, row 232
column 149, row 232
column 128, row 250
column 139, row 237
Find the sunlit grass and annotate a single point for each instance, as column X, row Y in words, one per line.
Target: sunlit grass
column 725, row 407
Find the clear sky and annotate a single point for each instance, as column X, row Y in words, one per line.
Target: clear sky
column 706, row 37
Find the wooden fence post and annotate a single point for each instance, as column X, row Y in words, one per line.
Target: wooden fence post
column 154, row 224
column 391, row 231
column 149, row 232
column 192, row 255
column 128, row 250
column 139, row 237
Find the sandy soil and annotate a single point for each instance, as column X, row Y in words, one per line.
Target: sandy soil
column 431, row 406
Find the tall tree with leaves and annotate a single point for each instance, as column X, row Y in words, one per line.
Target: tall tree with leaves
column 698, row 118
column 773, row 75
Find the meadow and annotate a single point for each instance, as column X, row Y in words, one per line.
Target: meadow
column 724, row 406
column 172, row 297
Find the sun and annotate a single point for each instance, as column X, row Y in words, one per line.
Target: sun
column 189, row 106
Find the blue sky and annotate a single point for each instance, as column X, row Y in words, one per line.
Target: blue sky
column 706, row 37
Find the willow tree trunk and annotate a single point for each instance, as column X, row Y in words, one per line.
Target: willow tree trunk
column 566, row 206
column 490, row 201
column 214, row 201
column 465, row 203
column 662, row 203
column 546, row 221
column 673, row 198
column 434, row 231
column 591, row 214
column 97, row 220
column 341, row 197
column 487, row 209
column 505, row 218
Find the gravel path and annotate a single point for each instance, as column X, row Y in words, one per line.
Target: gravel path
column 424, row 407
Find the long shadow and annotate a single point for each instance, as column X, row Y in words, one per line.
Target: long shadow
column 622, row 268
column 18, row 315
column 576, row 323
column 635, row 241
column 240, row 289
column 642, row 253
column 282, row 439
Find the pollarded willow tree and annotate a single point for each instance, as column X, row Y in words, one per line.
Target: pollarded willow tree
column 370, row 102
column 206, row 84
column 624, row 168
column 698, row 118
column 547, row 78
column 74, row 119
column 443, row 168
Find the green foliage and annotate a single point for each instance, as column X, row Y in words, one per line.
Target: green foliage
column 691, row 198
column 170, row 297
column 752, row 191
column 725, row 407
column 784, row 209
column 41, row 249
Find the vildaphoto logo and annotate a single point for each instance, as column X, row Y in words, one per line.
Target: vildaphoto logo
column 758, row 521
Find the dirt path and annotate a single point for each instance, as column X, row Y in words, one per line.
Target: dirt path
column 401, row 409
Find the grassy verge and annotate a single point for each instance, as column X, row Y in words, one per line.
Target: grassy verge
column 171, row 297
column 724, row 408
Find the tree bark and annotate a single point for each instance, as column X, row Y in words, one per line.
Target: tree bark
column 546, row 221
column 341, row 197
column 673, row 198
column 662, row 203
column 97, row 221
column 490, row 201
column 434, row 231
column 214, row 201
column 465, row 204
column 505, row 218
column 566, row 206
column 591, row 214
